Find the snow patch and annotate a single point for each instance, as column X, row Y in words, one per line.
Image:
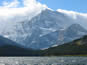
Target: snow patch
column 6, row 36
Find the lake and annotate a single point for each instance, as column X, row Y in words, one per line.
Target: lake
column 43, row 60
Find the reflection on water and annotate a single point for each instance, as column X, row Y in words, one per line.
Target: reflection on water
column 43, row 60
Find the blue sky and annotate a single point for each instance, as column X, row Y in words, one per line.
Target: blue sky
column 74, row 5
column 9, row 1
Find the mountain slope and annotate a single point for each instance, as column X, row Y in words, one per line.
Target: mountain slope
column 77, row 47
column 43, row 27
column 45, row 23
column 58, row 37
column 6, row 41
column 10, row 48
column 73, row 32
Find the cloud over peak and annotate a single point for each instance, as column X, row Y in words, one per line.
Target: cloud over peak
column 30, row 8
column 79, row 18
column 72, row 14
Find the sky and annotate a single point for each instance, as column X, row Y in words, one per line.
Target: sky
column 23, row 9
column 73, row 5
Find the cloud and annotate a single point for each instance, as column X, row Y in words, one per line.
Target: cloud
column 80, row 18
column 30, row 8
column 13, row 4
column 72, row 14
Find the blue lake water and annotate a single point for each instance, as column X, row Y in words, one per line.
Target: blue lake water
column 43, row 60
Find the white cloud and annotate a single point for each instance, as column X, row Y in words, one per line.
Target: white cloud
column 31, row 8
column 72, row 14
column 15, row 3
column 80, row 18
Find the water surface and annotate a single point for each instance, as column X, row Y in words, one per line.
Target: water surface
column 43, row 60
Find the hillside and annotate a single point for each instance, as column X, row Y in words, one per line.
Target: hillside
column 10, row 48
column 76, row 47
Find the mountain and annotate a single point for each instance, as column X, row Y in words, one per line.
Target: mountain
column 76, row 47
column 42, row 31
column 57, row 37
column 46, row 23
column 6, row 41
column 43, row 28
column 62, row 36
column 10, row 48
column 73, row 32
column 27, row 32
